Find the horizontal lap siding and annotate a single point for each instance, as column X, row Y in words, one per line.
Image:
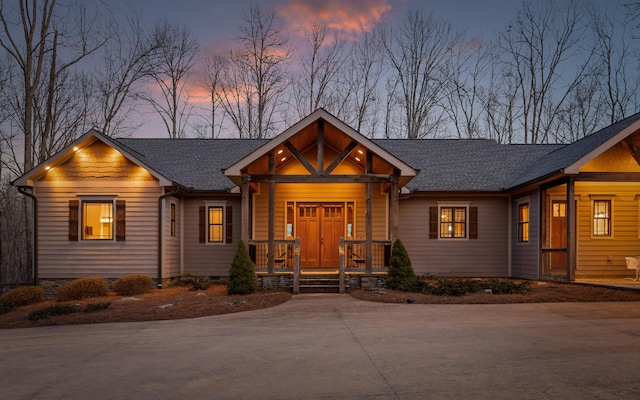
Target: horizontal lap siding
column 205, row 259
column 60, row 258
column 524, row 260
column 486, row 256
column 593, row 253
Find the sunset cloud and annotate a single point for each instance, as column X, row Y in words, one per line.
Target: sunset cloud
column 352, row 16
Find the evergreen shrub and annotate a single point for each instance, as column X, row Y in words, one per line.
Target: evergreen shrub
column 401, row 275
column 242, row 275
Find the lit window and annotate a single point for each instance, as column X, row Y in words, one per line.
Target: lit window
column 97, row 220
column 216, row 224
column 523, row 222
column 453, row 222
column 602, row 218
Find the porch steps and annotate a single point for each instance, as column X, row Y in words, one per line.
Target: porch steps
column 319, row 283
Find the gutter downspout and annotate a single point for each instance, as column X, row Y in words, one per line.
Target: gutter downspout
column 22, row 190
column 160, row 226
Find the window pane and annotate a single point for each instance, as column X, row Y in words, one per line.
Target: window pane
column 453, row 222
column 523, row 222
column 97, row 220
column 602, row 218
column 216, row 233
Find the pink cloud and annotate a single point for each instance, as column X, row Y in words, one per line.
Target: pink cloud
column 352, row 17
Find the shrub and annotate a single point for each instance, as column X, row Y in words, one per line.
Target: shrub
column 23, row 296
column 196, row 282
column 5, row 307
column 82, row 288
column 91, row 307
column 401, row 275
column 56, row 309
column 132, row 285
column 242, row 275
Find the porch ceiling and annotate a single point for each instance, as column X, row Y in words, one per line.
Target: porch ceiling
column 305, row 140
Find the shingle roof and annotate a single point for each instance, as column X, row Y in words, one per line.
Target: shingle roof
column 445, row 165
column 464, row 165
column 566, row 155
column 193, row 163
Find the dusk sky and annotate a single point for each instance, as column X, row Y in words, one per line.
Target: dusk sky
column 215, row 22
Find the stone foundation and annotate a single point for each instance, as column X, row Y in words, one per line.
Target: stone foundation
column 275, row 282
column 366, row 282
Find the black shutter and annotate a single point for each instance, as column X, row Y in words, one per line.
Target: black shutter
column 229, row 225
column 473, row 222
column 121, row 220
column 73, row 220
column 201, row 224
column 433, row 222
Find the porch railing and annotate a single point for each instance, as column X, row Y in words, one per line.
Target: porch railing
column 353, row 257
column 554, row 263
column 286, row 258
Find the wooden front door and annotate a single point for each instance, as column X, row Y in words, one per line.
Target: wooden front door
column 320, row 227
column 558, row 233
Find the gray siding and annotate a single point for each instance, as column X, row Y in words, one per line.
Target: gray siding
column 525, row 256
column 208, row 259
column 60, row 258
column 482, row 257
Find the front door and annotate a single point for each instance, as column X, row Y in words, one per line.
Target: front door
column 558, row 233
column 320, row 226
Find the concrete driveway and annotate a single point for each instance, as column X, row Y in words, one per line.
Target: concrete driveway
column 335, row 347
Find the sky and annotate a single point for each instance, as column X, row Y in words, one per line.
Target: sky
column 215, row 22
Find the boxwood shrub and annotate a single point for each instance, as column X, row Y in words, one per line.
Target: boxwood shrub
column 132, row 285
column 83, row 288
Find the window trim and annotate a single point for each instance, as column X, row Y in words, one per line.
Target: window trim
column 519, row 224
column 610, row 200
column 223, row 206
column 454, row 205
column 103, row 199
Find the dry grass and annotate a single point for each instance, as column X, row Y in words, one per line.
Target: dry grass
column 180, row 302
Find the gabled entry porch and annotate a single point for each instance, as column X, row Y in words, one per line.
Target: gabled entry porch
column 320, row 195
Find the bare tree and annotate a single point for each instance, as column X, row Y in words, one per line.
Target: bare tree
column 544, row 51
column 127, row 60
column 44, row 42
column 256, row 77
column 617, row 73
column 215, row 65
column 469, row 70
column 177, row 53
column 419, row 53
column 321, row 63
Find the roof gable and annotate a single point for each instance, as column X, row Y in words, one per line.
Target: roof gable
column 70, row 151
column 303, row 135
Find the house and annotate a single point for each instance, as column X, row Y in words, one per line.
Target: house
column 320, row 196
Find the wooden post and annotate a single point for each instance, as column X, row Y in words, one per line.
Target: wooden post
column 320, row 169
column 342, row 265
column 394, row 207
column 369, row 217
column 245, row 209
column 571, row 231
column 272, row 214
column 296, row 266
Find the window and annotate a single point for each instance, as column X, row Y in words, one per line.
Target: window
column 523, row 223
column 216, row 224
column 97, row 218
column 173, row 219
column 453, row 222
column 602, row 218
